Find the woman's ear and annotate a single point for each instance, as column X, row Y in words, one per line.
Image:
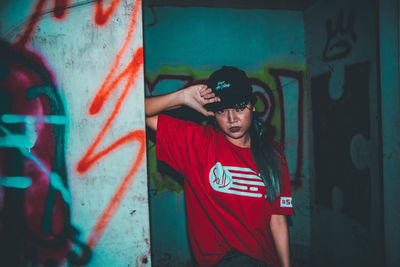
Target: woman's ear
column 253, row 108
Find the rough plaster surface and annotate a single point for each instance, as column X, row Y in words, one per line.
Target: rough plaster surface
column 80, row 52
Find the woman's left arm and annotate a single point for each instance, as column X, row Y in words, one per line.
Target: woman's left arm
column 280, row 234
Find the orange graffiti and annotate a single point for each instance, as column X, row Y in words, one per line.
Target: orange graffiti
column 33, row 21
column 89, row 159
column 59, row 9
column 129, row 76
column 101, row 16
column 131, row 72
column 113, row 205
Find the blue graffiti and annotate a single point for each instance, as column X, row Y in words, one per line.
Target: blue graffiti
column 54, row 178
column 21, row 182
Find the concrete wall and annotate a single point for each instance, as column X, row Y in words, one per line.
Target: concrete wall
column 342, row 60
column 389, row 43
column 184, row 46
column 72, row 137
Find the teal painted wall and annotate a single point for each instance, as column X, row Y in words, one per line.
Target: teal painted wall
column 389, row 42
column 184, row 45
column 207, row 37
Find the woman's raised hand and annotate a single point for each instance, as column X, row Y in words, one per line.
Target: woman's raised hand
column 196, row 96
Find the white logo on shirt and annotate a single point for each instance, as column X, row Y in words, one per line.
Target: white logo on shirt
column 236, row 180
column 286, row 202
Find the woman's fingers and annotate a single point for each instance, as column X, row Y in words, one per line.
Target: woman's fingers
column 206, row 112
column 205, row 91
column 202, row 88
column 200, row 95
column 208, row 96
column 212, row 100
column 210, row 113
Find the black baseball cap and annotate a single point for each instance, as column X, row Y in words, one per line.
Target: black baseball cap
column 232, row 86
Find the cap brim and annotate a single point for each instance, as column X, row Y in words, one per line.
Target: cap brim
column 224, row 104
column 217, row 106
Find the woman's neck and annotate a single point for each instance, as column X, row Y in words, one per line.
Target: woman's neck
column 243, row 141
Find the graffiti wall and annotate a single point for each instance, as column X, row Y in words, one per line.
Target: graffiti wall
column 342, row 63
column 73, row 183
column 183, row 48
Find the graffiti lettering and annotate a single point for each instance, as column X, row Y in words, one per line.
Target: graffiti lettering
column 336, row 123
column 185, row 79
column 265, row 107
column 27, row 140
column 293, row 88
column 129, row 76
column 21, row 182
column 101, row 16
column 32, row 159
column 30, row 146
column 339, row 39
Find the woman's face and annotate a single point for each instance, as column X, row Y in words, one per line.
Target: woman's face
column 235, row 123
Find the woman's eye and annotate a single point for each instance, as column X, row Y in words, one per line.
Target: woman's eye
column 220, row 111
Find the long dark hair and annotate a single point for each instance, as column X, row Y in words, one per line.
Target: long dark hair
column 266, row 153
column 267, row 156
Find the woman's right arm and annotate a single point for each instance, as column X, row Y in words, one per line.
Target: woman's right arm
column 195, row 97
column 157, row 104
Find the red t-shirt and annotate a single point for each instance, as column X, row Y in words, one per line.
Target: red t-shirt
column 226, row 207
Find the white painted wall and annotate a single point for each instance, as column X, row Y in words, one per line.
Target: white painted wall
column 80, row 55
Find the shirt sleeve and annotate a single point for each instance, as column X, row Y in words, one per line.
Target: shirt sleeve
column 178, row 142
column 283, row 205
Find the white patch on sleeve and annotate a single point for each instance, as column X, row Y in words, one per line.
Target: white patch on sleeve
column 286, row 202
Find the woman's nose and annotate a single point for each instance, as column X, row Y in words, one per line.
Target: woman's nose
column 232, row 115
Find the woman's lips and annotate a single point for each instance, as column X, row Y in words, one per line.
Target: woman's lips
column 234, row 129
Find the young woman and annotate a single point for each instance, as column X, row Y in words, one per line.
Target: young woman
column 236, row 181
